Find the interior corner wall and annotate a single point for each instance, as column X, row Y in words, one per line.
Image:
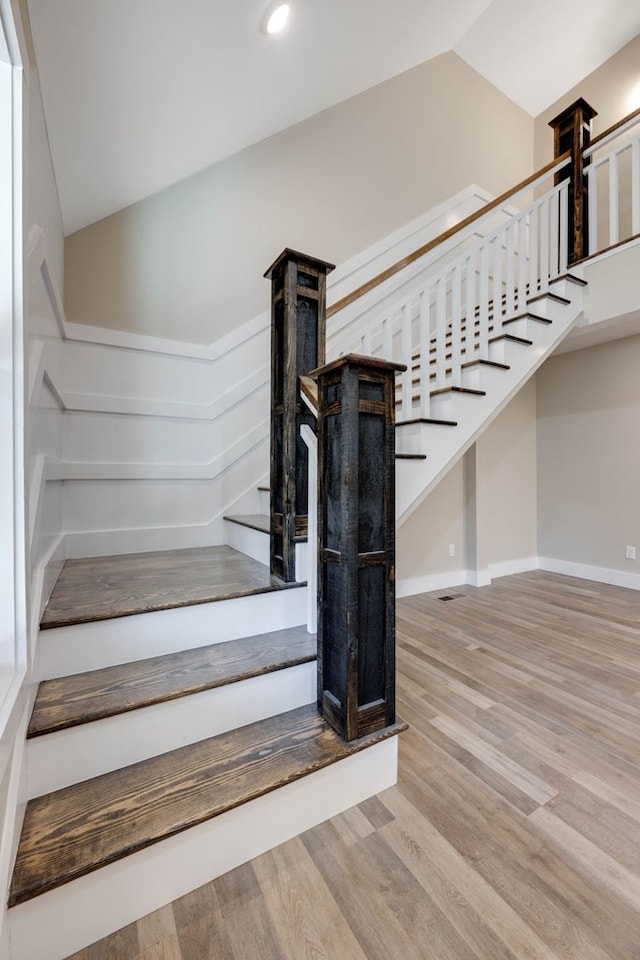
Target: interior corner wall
column 613, row 89
column 187, row 263
column 589, row 459
column 510, row 455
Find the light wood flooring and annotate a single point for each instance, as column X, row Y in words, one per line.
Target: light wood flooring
column 514, row 830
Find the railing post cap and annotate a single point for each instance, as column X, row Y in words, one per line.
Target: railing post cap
column 302, row 259
column 579, row 105
column 356, row 360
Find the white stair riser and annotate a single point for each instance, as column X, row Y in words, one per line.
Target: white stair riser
column 482, row 377
column 79, row 753
column 253, row 543
column 65, row 920
column 264, row 501
column 105, row 643
column 525, row 327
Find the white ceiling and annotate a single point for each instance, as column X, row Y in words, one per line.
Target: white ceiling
column 139, row 94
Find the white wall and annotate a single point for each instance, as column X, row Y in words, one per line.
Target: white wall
column 613, row 90
column 37, row 433
column 589, row 461
column 187, row 263
column 486, row 507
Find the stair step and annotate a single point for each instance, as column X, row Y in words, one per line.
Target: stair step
column 456, row 390
column 549, row 296
column 103, row 588
column 510, row 338
column 432, row 420
column 77, row 830
column 411, row 456
column 98, row 694
column 255, row 521
column 527, row 315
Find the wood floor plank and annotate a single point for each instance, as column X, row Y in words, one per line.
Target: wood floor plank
column 102, row 588
column 97, row 694
column 536, row 675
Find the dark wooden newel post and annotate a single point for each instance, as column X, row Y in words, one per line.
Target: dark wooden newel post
column 298, row 320
column 572, row 131
column 356, row 544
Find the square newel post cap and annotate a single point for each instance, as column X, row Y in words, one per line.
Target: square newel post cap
column 356, row 360
column 302, row 259
column 578, row 106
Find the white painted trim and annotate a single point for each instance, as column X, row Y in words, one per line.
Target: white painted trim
column 59, row 923
column 508, row 567
column 346, row 277
column 427, row 583
column 69, row 756
column 585, row 571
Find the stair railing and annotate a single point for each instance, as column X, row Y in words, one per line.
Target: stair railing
column 613, row 185
column 450, row 317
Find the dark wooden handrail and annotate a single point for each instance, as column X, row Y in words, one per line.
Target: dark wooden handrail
column 629, row 119
column 451, row 232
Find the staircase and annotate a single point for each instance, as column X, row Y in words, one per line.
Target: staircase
column 162, row 711
column 175, row 734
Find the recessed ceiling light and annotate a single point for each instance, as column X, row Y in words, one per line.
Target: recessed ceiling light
column 275, row 17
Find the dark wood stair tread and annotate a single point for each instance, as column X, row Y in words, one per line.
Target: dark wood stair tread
column 432, row 420
column 469, row 390
column 411, row 456
column 74, row 831
column 101, row 588
column 255, row 521
column 84, row 697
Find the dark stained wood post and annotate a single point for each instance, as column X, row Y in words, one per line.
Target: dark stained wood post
column 356, row 544
column 298, row 322
column 572, row 131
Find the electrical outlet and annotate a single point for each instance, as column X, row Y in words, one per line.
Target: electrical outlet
column 630, row 553
column 452, row 550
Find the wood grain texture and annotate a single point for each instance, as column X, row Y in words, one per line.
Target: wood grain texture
column 516, row 692
column 101, row 588
column 69, row 701
column 255, row 521
column 76, row 830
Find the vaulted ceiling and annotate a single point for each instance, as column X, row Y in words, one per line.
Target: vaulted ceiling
column 139, row 94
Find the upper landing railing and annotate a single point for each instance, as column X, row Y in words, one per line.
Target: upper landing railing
column 612, row 163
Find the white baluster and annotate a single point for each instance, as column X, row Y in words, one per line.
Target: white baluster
column 425, row 353
column 483, row 289
column 544, row 244
column 510, row 298
column 635, row 187
column 496, row 249
column 523, row 235
column 311, row 442
column 405, row 339
column 387, row 339
column 592, row 187
column 456, row 326
column 471, row 299
column 533, row 251
column 564, row 227
column 554, row 226
column 441, row 332
column 613, row 199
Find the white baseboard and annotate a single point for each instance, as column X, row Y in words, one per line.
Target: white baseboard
column 429, row 582
column 508, row 567
column 410, row 586
column 65, row 920
column 585, row 571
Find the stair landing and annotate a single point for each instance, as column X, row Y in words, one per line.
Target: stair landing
column 101, row 588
